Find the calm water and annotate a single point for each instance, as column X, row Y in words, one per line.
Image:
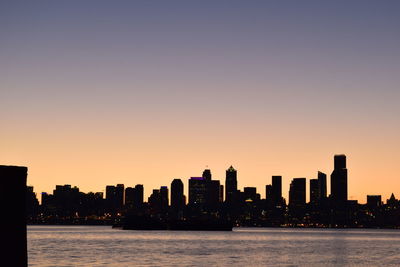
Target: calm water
column 104, row 246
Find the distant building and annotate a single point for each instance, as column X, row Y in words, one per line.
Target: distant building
column 297, row 192
column 392, row 201
column 164, row 197
column 197, row 190
column 177, row 197
column 32, row 203
column 268, row 193
column 119, row 195
column 130, row 194
column 250, row 193
column 322, row 185
column 230, row 184
column 276, row 193
column 154, row 201
column 111, row 201
column 139, row 195
column 339, row 182
column 213, row 194
column 221, row 193
column 374, row 201
column 314, row 191
column 207, row 174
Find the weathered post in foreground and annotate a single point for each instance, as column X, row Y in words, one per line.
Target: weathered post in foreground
column 13, row 240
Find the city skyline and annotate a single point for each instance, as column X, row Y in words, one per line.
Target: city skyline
column 94, row 93
column 320, row 183
column 206, row 207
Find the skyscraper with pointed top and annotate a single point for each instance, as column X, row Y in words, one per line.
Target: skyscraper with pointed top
column 230, row 184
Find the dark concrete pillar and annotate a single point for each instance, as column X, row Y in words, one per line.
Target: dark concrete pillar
column 13, row 240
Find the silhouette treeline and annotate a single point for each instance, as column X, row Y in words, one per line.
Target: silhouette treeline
column 208, row 200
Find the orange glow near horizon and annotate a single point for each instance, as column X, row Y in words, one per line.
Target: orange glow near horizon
column 137, row 93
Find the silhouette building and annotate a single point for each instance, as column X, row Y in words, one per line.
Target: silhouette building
column 207, row 174
column 322, row 185
column 197, row 190
column 297, row 192
column 268, row 193
column 250, row 193
column 119, row 195
column 130, row 193
column 139, row 195
column 339, row 182
column 177, row 197
column 221, row 193
column 164, row 197
column 213, row 194
column 314, row 191
column 374, row 201
column 276, row 194
column 230, row 184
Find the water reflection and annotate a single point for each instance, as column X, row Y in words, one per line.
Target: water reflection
column 103, row 246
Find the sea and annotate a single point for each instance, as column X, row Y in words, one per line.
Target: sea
column 106, row 246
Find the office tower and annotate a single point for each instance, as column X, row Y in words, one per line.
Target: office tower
column 139, row 195
column 164, row 197
column 177, row 198
column 197, row 191
column 276, row 194
column 339, row 182
column 268, row 193
column 221, row 193
column 130, row 193
column 66, row 200
column 230, row 184
column 207, row 174
column 32, row 203
column 297, row 192
column 314, row 191
column 154, row 201
column 322, row 185
column 213, row 194
column 13, row 207
column 250, row 193
column 110, row 198
column 374, row 201
column 119, row 195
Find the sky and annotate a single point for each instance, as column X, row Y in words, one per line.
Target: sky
column 94, row 93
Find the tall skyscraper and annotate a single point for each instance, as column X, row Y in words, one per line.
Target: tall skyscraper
column 339, row 182
column 130, row 193
column 221, row 193
column 119, row 195
column 322, row 185
column 164, row 197
column 139, row 195
column 230, row 184
column 13, row 207
column 213, row 193
column 297, row 192
column 276, row 193
column 268, row 193
column 207, row 174
column 197, row 191
column 177, row 198
column 314, row 191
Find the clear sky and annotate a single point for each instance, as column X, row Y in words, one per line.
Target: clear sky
column 105, row 92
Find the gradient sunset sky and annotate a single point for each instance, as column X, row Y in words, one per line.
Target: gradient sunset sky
column 140, row 92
